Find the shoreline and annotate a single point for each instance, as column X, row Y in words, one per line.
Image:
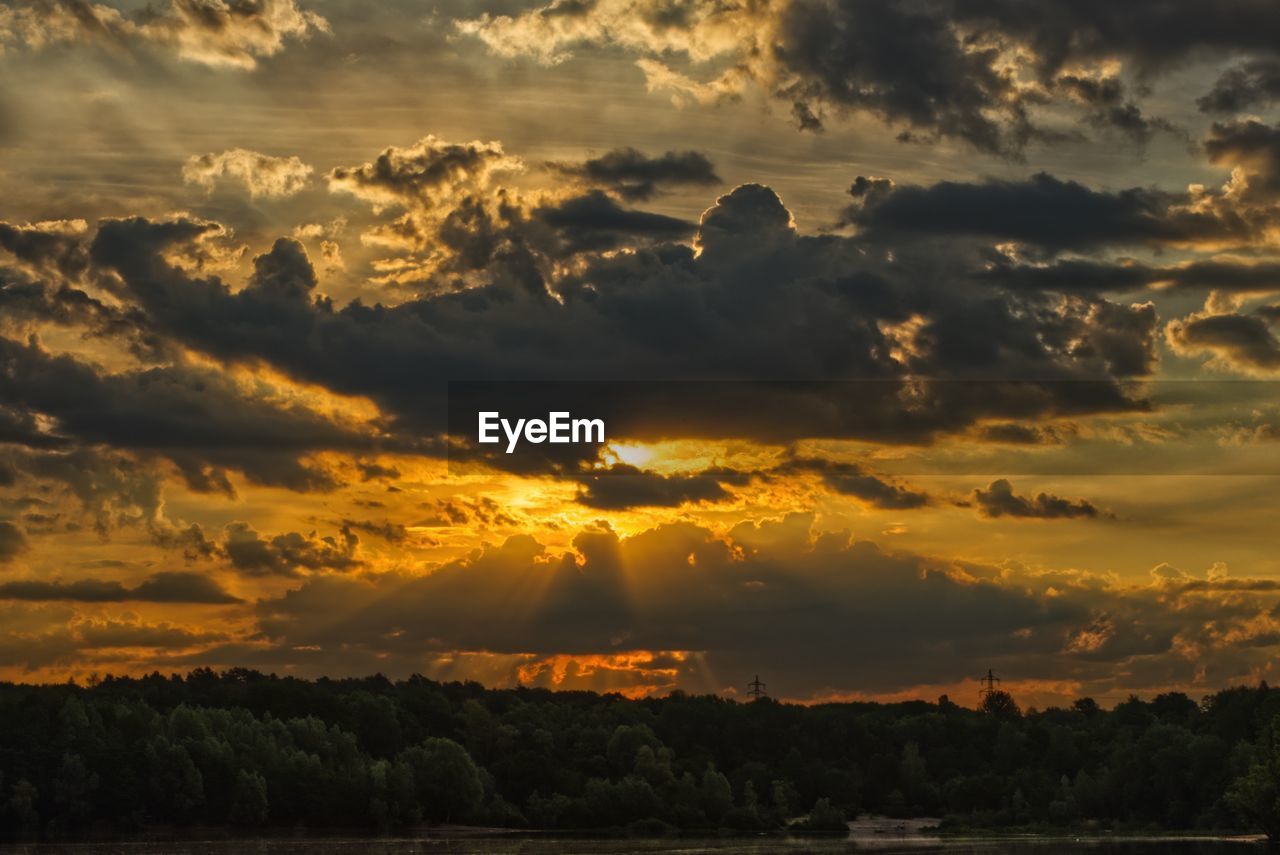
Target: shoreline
column 864, row 831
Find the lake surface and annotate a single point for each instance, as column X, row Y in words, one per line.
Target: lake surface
column 664, row 846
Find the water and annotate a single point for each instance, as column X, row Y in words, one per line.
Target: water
column 664, row 846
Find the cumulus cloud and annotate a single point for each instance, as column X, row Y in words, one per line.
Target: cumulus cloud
column 261, row 174
column 447, row 210
column 999, row 500
column 286, row 554
column 908, row 67
column 431, row 173
column 391, row 532
column 948, row 315
column 325, row 236
column 752, row 301
column 623, row 486
column 1049, row 212
column 1254, row 148
column 1242, row 342
column 975, row 71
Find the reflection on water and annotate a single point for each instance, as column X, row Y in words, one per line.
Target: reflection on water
column 664, row 846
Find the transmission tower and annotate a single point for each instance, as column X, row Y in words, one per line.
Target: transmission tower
column 988, row 684
column 756, row 689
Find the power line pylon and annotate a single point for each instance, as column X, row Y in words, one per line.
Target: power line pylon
column 756, row 689
column 988, row 684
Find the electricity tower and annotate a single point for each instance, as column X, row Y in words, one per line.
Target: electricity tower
column 988, row 684
column 756, row 689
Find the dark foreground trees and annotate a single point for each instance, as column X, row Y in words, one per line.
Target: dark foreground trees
column 246, row 751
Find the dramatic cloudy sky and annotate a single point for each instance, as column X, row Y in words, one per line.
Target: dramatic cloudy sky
column 933, row 336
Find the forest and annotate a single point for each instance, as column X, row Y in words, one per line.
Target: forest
column 254, row 753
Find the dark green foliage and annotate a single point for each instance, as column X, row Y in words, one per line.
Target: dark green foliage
column 825, row 817
column 1255, row 794
column 445, row 780
column 248, row 800
column 244, row 750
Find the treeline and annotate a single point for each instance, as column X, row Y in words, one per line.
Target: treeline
column 245, row 750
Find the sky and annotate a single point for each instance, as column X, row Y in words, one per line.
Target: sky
column 932, row 336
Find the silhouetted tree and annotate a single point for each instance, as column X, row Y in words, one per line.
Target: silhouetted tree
column 1000, row 704
column 245, row 749
column 445, row 778
column 249, row 806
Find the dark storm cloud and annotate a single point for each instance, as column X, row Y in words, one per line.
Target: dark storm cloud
column 1149, row 38
column 755, row 302
column 13, row 542
column 976, row 71
column 1045, row 211
column 623, row 486
column 1014, row 433
column 1080, row 276
column 286, row 554
column 678, row 587
column 594, row 221
column 1270, row 313
column 481, row 511
column 1123, row 337
column 171, row 587
column 48, row 246
column 635, row 176
column 42, row 283
column 999, row 500
column 372, row 471
column 1244, row 342
column 691, row 592
column 902, row 63
column 445, row 203
column 20, row 427
column 190, row 540
column 1247, row 85
column 389, row 531
column 194, row 416
column 852, row 479
column 1253, row 145
column 1108, row 107
column 181, row 587
column 1152, row 35
column 24, row 299
column 205, row 309
column 112, row 488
